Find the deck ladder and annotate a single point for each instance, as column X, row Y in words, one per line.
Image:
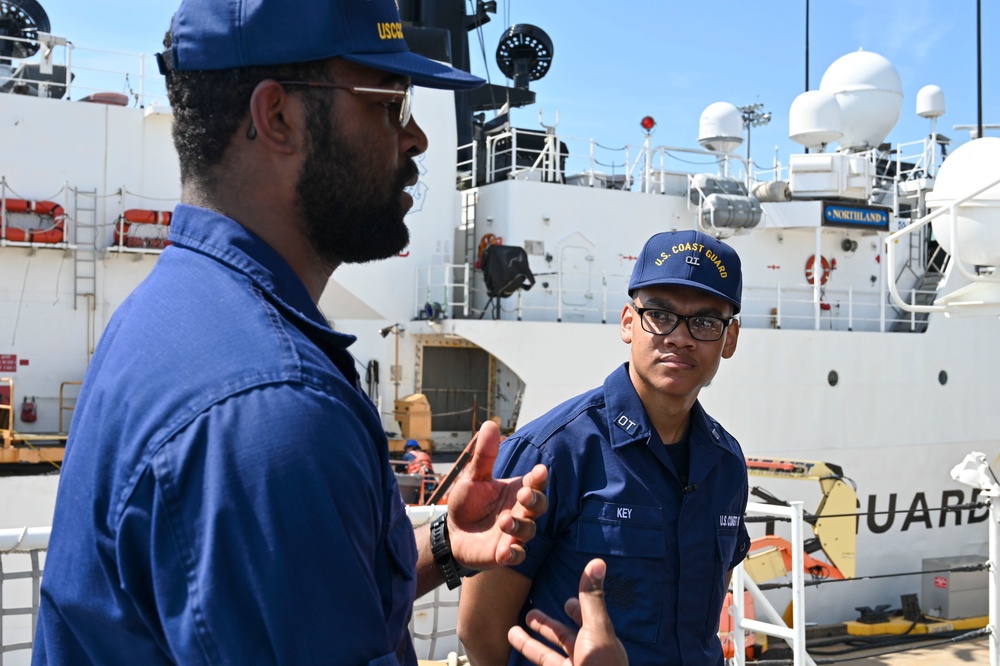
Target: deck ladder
column 85, row 242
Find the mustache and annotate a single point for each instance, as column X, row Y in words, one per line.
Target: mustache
column 407, row 172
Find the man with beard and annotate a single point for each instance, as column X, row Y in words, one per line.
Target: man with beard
column 226, row 496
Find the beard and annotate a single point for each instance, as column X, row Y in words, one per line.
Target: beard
column 350, row 213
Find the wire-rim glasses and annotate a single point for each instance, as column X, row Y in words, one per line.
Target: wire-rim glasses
column 405, row 104
column 663, row 322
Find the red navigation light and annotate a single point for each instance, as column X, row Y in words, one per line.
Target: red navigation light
column 648, row 123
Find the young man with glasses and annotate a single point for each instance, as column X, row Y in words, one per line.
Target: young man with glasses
column 640, row 476
column 229, row 499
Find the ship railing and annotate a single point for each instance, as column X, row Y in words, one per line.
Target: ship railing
column 796, row 306
column 434, row 620
column 58, row 68
column 795, row 635
column 442, row 290
column 446, row 291
column 22, row 555
column 544, row 156
column 986, row 299
column 433, row 624
column 583, row 304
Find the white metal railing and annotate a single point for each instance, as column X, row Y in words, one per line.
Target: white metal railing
column 795, row 635
column 444, row 288
column 435, row 616
column 27, row 543
column 644, row 168
column 789, row 306
column 433, row 625
column 974, row 471
column 65, row 69
column 956, row 253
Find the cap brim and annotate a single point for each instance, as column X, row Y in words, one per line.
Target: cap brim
column 422, row 71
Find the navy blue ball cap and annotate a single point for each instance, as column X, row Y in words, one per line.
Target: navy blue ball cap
column 690, row 259
column 228, row 34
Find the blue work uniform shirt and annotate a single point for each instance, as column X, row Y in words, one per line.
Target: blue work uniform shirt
column 614, row 493
column 226, row 496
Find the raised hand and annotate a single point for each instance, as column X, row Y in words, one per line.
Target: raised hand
column 594, row 644
column 490, row 519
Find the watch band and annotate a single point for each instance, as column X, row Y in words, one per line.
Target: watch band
column 446, row 563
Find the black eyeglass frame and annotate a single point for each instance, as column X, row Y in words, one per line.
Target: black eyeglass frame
column 641, row 312
column 405, row 107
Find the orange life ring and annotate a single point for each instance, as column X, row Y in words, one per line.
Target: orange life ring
column 484, row 242
column 53, row 234
column 142, row 216
column 811, row 272
column 147, row 216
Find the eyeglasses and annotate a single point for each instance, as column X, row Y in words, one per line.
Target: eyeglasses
column 663, row 322
column 404, row 97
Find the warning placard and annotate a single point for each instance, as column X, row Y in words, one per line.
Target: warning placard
column 8, row 362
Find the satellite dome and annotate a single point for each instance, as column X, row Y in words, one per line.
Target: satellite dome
column 870, row 95
column 977, row 234
column 814, row 119
column 930, row 102
column 721, row 127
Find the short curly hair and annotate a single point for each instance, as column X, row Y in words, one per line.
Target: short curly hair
column 210, row 105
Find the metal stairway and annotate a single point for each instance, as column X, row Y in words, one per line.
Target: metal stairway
column 924, row 292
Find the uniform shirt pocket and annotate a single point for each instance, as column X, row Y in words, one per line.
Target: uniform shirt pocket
column 634, row 549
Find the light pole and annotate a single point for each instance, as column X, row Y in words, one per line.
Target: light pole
column 753, row 116
column 396, row 329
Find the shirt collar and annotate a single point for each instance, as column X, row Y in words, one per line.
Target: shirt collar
column 627, row 419
column 231, row 243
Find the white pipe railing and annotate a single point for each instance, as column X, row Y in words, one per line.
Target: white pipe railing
column 956, row 251
column 439, row 611
column 795, row 635
column 784, row 306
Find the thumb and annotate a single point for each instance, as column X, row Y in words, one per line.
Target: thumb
column 593, row 610
column 484, row 454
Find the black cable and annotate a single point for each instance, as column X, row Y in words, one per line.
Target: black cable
column 812, row 583
column 915, row 644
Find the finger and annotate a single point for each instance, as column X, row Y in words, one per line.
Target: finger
column 509, row 553
column 521, row 529
column 593, row 611
column 572, row 608
column 486, row 445
column 533, row 650
column 532, row 501
column 552, row 630
column 537, row 478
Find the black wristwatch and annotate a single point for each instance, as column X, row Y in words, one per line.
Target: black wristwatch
column 446, row 563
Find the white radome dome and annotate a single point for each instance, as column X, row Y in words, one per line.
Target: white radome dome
column 815, row 120
column 930, row 102
column 977, row 235
column 870, row 94
column 721, row 127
